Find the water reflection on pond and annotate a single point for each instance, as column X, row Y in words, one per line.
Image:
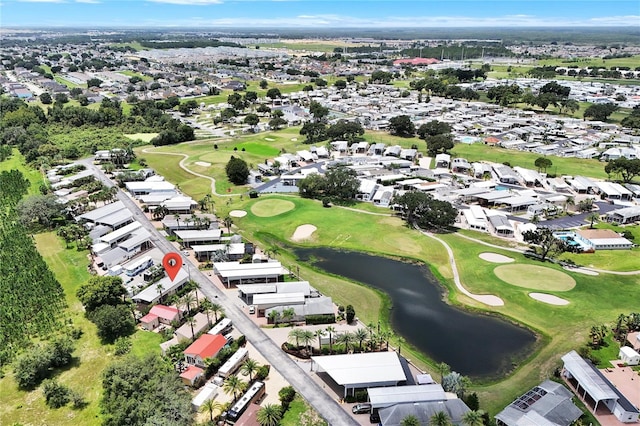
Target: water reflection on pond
column 472, row 344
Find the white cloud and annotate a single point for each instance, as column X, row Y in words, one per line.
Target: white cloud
column 42, row 1
column 338, row 21
column 188, row 2
column 88, row 1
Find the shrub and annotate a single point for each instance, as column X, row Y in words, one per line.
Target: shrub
column 55, row 394
column 326, row 202
column 122, row 346
column 77, row 400
column 241, row 340
column 320, row 319
column 253, row 194
column 262, row 372
column 351, row 314
column 113, row 322
column 287, row 394
column 362, row 396
column 32, row 367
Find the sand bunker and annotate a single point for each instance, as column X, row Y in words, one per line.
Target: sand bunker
column 549, row 298
column 303, row 232
column 495, row 258
column 237, row 213
column 203, row 164
column 269, row 139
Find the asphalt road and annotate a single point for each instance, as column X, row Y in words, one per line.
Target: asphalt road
column 326, row 406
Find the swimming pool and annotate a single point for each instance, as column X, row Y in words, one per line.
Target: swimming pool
column 573, row 239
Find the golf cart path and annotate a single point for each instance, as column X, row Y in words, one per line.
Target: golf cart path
column 188, row 170
column 580, row 269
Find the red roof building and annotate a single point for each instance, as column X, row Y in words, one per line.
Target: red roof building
column 149, row 321
column 166, row 314
column 207, row 346
column 191, row 375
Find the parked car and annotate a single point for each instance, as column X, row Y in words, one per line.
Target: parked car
column 252, row 309
column 361, row 408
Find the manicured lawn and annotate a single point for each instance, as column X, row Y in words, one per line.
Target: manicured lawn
column 130, row 73
column 535, row 277
column 91, row 357
column 16, row 162
column 593, row 300
column 296, row 408
column 268, row 208
column 561, row 165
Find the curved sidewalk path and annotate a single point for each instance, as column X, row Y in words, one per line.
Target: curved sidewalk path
column 188, row 170
column 487, row 299
column 579, row 269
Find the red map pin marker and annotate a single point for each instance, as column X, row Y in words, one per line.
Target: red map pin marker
column 172, row 263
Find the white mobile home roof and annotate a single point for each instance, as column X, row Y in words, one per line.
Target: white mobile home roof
column 150, row 294
column 199, row 235
column 237, row 266
column 587, row 377
column 119, row 233
column 116, row 218
column 138, row 238
column 103, row 211
column 205, row 248
column 257, row 288
column 149, row 186
column 359, row 370
column 387, row 396
column 278, row 298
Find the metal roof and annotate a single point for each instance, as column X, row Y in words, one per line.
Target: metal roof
column 387, row 396
column 588, row 377
column 362, row 369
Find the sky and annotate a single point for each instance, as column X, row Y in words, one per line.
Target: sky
column 226, row 14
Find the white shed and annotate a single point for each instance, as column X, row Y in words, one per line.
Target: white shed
column 629, row 356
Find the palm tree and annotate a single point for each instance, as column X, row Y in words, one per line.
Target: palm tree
column 227, row 221
column 233, row 385
column 440, row 419
column 249, row 366
column 274, row 316
column 306, row 337
column 192, row 321
column 188, row 300
column 346, row 339
column 385, row 335
column 360, row 335
column 176, row 216
column 473, row 418
column 288, row 314
column 331, row 330
column 269, row 415
column 401, row 341
column 206, row 308
column 593, row 217
column 570, row 202
column 159, row 289
column 443, row 369
column 216, row 308
column 410, row 420
column 320, row 333
column 211, row 405
column 295, row 334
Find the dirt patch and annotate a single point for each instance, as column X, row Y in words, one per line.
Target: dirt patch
column 202, row 164
column 549, row 299
column 303, row 232
column 237, row 213
column 495, row 258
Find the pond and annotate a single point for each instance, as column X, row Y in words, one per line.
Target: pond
column 472, row 344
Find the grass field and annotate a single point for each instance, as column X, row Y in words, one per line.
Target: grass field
column 90, row 356
column 130, row 73
column 16, row 162
column 561, row 165
column 269, row 208
column 144, row 137
column 561, row 328
column 535, row 277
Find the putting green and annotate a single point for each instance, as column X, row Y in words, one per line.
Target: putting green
column 535, row 277
column 269, row 208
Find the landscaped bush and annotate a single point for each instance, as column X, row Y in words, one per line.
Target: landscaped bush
column 320, row 319
column 262, row 372
column 35, row 365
